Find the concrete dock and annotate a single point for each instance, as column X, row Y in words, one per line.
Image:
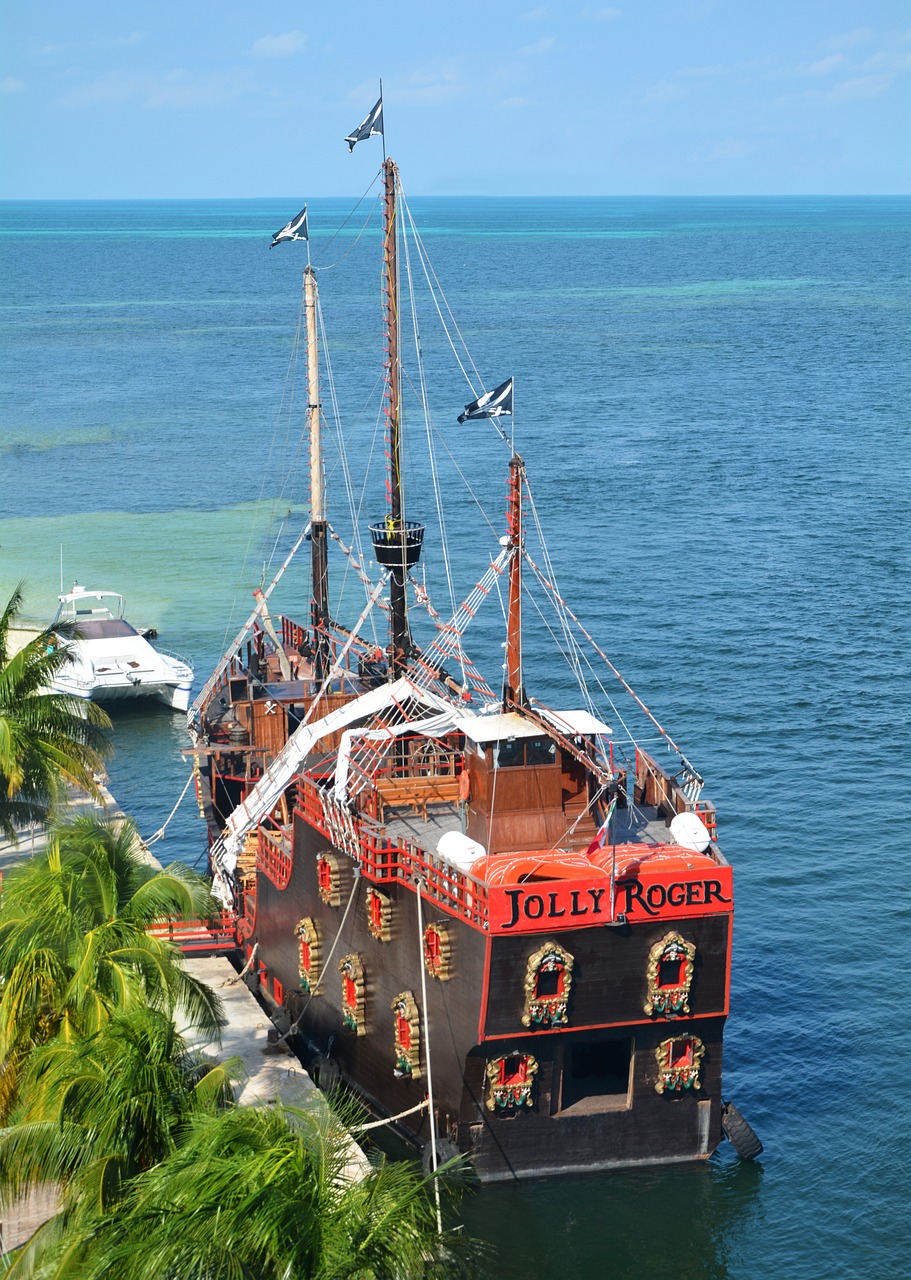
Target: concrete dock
column 272, row 1074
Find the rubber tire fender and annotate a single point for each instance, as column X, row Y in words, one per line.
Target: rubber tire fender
column 325, row 1073
column 738, row 1133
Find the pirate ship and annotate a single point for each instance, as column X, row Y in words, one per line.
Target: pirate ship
column 506, row 927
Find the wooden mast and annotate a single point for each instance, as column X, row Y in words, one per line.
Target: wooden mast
column 400, row 642
column 319, row 608
column 513, row 682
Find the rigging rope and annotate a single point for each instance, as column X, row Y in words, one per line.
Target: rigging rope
column 606, row 660
column 159, row 834
column 428, row 427
column 419, row 884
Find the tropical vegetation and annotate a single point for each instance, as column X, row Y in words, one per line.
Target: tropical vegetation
column 74, row 946
column 157, row 1172
column 264, row 1193
column 48, row 740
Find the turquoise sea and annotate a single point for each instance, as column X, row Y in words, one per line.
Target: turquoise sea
column 712, row 400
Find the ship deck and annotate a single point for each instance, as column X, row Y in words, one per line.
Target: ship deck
column 640, row 824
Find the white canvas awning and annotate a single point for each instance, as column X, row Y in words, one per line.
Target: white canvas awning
column 511, row 724
column 572, row 722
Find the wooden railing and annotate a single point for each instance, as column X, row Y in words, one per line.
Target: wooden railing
column 199, row 937
column 655, row 786
column 382, row 860
column 273, row 856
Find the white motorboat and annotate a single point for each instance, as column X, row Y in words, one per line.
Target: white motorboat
column 110, row 660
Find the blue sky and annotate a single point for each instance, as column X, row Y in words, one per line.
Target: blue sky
column 675, row 97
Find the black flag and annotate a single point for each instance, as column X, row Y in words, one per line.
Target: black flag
column 491, row 404
column 373, row 123
column 295, row 230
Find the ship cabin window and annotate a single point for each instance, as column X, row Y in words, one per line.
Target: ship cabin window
column 513, row 1070
column 670, row 972
column 680, row 1053
column 512, row 753
column 596, row 1075
column 549, row 982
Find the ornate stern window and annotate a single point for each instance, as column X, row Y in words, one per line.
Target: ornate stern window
column 670, row 975
column 379, row 915
column 407, row 1036
column 548, row 982
column 438, row 950
column 354, row 991
column 511, row 1083
column 308, row 953
column 329, row 879
column 679, row 1062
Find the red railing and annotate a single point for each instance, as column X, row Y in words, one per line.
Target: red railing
column 383, row 860
column 199, row 937
column 273, row 856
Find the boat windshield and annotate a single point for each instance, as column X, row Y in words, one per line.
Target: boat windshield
column 90, row 606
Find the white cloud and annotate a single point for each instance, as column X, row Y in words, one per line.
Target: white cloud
column 602, row 15
column 544, row 45
column 826, row 66
column 175, row 90
column 705, row 73
column 12, row 85
column 511, row 104
column 729, row 149
column 861, row 87
column 665, row 91
column 535, row 15
column 283, row 46
column 860, row 35
column 428, row 86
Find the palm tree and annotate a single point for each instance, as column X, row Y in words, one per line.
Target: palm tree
column 47, row 740
column 99, row 1110
column 256, row 1192
column 74, row 948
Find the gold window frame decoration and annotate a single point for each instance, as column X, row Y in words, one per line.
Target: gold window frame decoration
column 407, row 1027
column 672, row 1001
column 513, row 1092
column 548, row 1010
column 679, row 1061
column 329, row 878
column 354, row 994
column 309, row 954
column 438, row 960
column 379, row 915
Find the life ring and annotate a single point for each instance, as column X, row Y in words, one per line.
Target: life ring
column 464, row 787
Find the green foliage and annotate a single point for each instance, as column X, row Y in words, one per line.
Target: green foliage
column 74, row 948
column 262, row 1193
column 47, row 740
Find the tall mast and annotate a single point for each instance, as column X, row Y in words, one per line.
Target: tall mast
column 319, row 608
column 513, row 682
column 398, row 614
column 396, row 541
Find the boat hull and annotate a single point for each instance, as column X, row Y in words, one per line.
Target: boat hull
column 593, row 1102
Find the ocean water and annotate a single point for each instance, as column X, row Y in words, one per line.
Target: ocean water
column 712, row 401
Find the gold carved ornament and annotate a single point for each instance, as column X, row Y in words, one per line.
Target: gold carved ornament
column 511, row 1082
column 329, row 879
column 309, row 955
column 669, row 999
column 679, row 1063
column 354, row 995
column 407, row 1036
column 379, row 915
column 438, row 950
column 548, row 983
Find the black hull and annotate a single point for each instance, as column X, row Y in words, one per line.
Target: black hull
column 594, row 1103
